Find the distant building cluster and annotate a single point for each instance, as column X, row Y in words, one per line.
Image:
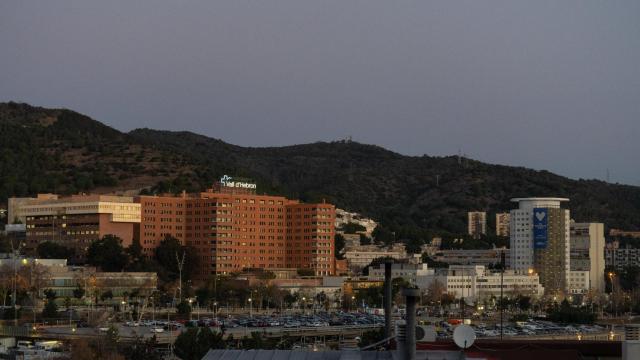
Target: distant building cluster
column 230, row 225
column 477, row 223
column 234, row 229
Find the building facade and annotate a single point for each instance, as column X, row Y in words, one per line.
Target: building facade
column 477, row 223
column 76, row 221
column 233, row 229
column 474, row 282
column 587, row 252
column 579, row 282
column 410, row 272
column 540, row 241
column 620, row 258
column 502, row 224
column 489, row 257
column 358, row 258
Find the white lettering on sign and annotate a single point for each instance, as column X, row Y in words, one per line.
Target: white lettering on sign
column 228, row 181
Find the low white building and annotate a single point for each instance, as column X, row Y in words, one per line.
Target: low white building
column 410, row 272
column 358, row 258
column 475, row 282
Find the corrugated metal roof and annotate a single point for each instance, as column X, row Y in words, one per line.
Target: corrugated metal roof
column 296, row 355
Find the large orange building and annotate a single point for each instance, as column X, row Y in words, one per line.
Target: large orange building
column 233, row 229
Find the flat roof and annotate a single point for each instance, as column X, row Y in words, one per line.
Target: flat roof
column 539, row 199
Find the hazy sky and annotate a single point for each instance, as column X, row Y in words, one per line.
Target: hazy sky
column 544, row 84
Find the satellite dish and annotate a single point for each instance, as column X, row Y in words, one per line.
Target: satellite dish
column 464, row 336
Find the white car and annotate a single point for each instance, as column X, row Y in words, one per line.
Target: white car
column 157, row 330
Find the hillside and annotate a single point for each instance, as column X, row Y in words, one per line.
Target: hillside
column 410, row 195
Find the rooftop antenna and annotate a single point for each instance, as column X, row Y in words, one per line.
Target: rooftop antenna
column 608, row 180
column 459, row 156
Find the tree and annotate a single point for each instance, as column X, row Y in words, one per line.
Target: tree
column 106, row 295
column 352, row 228
column 435, row 290
column 167, row 254
column 383, row 236
column 142, row 349
column 137, row 260
column 339, row 244
column 371, row 337
column 183, row 308
column 50, row 308
column 524, row 302
column 306, row 272
column 414, row 245
column 78, row 292
column 365, row 240
column 107, row 253
column 433, row 263
column 51, row 250
column 194, row 343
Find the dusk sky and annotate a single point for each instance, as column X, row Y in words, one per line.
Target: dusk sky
column 544, row 84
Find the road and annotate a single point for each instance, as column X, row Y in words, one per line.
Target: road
column 130, row 333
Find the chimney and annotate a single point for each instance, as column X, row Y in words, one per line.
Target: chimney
column 412, row 296
column 387, row 298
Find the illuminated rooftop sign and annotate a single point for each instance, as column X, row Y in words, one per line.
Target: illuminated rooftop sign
column 228, row 181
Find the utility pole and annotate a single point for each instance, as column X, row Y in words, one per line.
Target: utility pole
column 180, row 265
column 15, row 251
column 502, row 255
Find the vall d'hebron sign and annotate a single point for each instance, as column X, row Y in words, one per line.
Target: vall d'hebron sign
column 228, row 181
column 540, row 226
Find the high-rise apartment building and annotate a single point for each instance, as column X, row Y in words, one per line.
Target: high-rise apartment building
column 502, row 224
column 587, row 252
column 77, row 220
column 539, row 241
column 477, row 223
column 233, row 228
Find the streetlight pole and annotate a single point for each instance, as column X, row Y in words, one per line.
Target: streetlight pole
column 613, row 300
column 502, row 260
column 15, row 251
column 180, row 265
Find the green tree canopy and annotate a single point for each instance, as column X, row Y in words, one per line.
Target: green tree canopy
column 352, row 228
column 108, row 254
column 194, row 343
column 51, row 250
column 168, row 252
column 339, row 244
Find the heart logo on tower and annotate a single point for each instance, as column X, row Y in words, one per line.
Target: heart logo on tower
column 540, row 215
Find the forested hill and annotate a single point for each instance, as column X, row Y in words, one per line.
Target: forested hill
column 47, row 150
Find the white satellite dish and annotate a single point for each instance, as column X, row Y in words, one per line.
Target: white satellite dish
column 464, row 336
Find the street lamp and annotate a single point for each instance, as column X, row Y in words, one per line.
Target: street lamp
column 353, row 298
column 250, row 308
column 304, row 305
column 190, row 316
column 615, row 307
